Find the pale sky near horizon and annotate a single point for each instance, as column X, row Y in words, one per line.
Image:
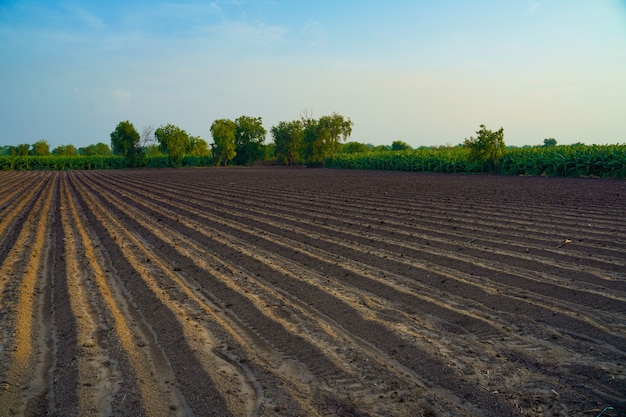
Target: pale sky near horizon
column 425, row 72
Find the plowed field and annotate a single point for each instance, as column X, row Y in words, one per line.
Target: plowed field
column 300, row 292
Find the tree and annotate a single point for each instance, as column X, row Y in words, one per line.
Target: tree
column 287, row 141
column 398, row 145
column 125, row 141
column 174, row 142
column 249, row 138
column 322, row 137
column 487, row 147
column 337, row 129
column 19, row 150
column 198, row 146
column 41, row 148
column 99, row 149
column 153, row 150
column 147, row 137
column 312, row 148
column 354, row 147
column 148, row 142
column 549, row 142
column 223, row 132
column 65, row 150
column 270, row 152
column 380, row 148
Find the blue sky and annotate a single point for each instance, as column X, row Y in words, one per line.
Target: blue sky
column 425, row 72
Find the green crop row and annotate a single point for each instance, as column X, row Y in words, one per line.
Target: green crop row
column 448, row 160
column 187, row 161
column 53, row 162
column 605, row 161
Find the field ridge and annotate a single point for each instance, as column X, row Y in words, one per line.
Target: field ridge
column 300, row 292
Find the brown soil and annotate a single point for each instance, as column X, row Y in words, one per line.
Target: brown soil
column 298, row 292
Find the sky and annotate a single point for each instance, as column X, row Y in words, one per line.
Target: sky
column 428, row 73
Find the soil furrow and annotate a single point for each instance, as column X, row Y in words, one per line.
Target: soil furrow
column 300, row 292
column 23, row 321
column 208, row 308
column 366, row 239
column 100, row 375
column 439, row 240
column 171, row 325
column 421, row 211
column 275, row 299
column 12, row 217
column 243, row 307
column 445, row 228
column 344, row 311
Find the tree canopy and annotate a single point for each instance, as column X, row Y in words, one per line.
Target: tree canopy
column 223, row 132
column 355, row 147
column 249, row 138
column 322, row 137
column 19, row 150
column 41, row 148
column 174, row 142
column 125, row 142
column 486, row 147
column 99, row 149
column 548, row 142
column 65, row 150
column 288, row 139
column 398, row 145
column 198, row 146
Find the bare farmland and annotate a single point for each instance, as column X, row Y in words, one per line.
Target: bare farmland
column 297, row 292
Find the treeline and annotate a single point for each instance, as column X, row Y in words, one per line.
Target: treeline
column 235, row 142
column 315, row 142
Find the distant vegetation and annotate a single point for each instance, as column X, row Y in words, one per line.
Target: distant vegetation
column 604, row 161
column 313, row 142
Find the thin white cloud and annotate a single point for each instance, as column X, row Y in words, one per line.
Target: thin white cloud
column 534, row 6
column 120, row 94
column 251, row 33
column 87, row 18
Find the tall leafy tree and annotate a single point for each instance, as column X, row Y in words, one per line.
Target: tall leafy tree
column 198, row 146
column 249, row 138
column 125, row 141
column 65, row 150
column 287, row 140
column 338, row 129
column 487, row 147
column 354, row 147
column 174, row 142
column 313, row 142
column 398, row 145
column 223, row 132
column 19, row 150
column 41, row 148
column 99, row 149
column 322, row 138
column 549, row 142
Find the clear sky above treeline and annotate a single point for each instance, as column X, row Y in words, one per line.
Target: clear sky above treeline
column 425, row 72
